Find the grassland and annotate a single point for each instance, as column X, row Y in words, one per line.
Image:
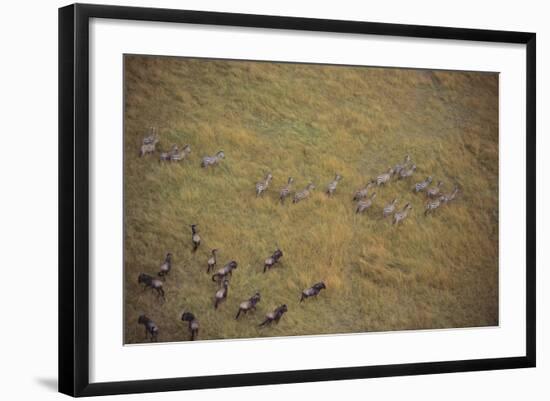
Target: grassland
column 309, row 122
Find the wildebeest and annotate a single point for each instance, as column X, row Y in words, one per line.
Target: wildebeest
column 225, row 271
column 152, row 283
column 313, row 291
column 273, row 259
column 195, row 237
column 151, row 328
column 193, row 324
column 221, row 294
column 212, row 261
column 250, row 304
column 166, row 266
column 275, row 316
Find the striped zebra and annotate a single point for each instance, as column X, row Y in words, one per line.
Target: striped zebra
column 212, row 160
column 449, row 197
column 285, row 191
column 406, row 173
column 166, row 156
column 298, row 196
column 331, row 188
column 149, row 143
column 382, row 179
column 401, row 166
column 151, row 137
column 181, row 155
column 195, row 237
column 432, row 205
column 262, row 186
column 364, row 204
column 433, row 192
column 421, row 186
column 398, row 217
column 363, row 192
column 390, row 208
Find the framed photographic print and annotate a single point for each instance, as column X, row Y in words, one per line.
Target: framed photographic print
column 277, row 199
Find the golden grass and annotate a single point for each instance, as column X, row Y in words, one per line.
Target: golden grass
column 310, row 121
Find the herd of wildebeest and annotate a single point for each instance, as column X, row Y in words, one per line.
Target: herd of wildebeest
column 363, row 197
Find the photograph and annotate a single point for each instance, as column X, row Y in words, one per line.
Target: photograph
column 276, row 199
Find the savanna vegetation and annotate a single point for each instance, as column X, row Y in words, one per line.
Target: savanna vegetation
column 309, row 122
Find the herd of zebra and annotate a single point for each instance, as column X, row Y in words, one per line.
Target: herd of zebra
column 401, row 171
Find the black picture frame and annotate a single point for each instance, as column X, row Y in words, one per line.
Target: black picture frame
column 74, row 198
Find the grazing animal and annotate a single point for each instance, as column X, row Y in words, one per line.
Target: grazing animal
column 151, row 328
column 383, row 179
column 285, row 191
column 193, row 324
column 182, row 155
column 312, row 291
column 195, row 237
column 299, row 196
column 363, row 192
column 262, row 186
column 421, row 186
column 331, row 188
column 166, row 156
column 364, row 204
column 447, row 198
column 406, row 173
column 389, row 208
column 152, row 283
column 225, row 271
column 398, row 168
column 149, row 143
column 275, row 316
column 273, row 259
column 221, row 294
column 212, row 260
column 166, row 266
column 398, row 217
column 212, row 160
column 248, row 305
column 433, row 192
column 432, row 205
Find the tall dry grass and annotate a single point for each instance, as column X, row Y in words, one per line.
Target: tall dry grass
column 310, row 121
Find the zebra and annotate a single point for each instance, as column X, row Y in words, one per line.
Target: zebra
column 221, row 294
column 312, row 291
column 225, row 271
column 193, row 324
column 389, row 208
column 364, row 204
column 152, row 283
column 285, row 191
column 275, row 316
column 179, row 156
column 447, row 198
column 262, row 186
column 166, row 266
column 402, row 215
column 273, row 259
column 212, row 260
column 167, row 156
column 406, row 173
column 421, row 186
column 151, row 328
column 298, row 196
column 249, row 304
column 383, row 179
column 401, row 166
column 433, row 192
column 195, row 237
column 433, row 204
column 363, row 192
column 212, row 160
column 331, row 188
column 149, row 143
